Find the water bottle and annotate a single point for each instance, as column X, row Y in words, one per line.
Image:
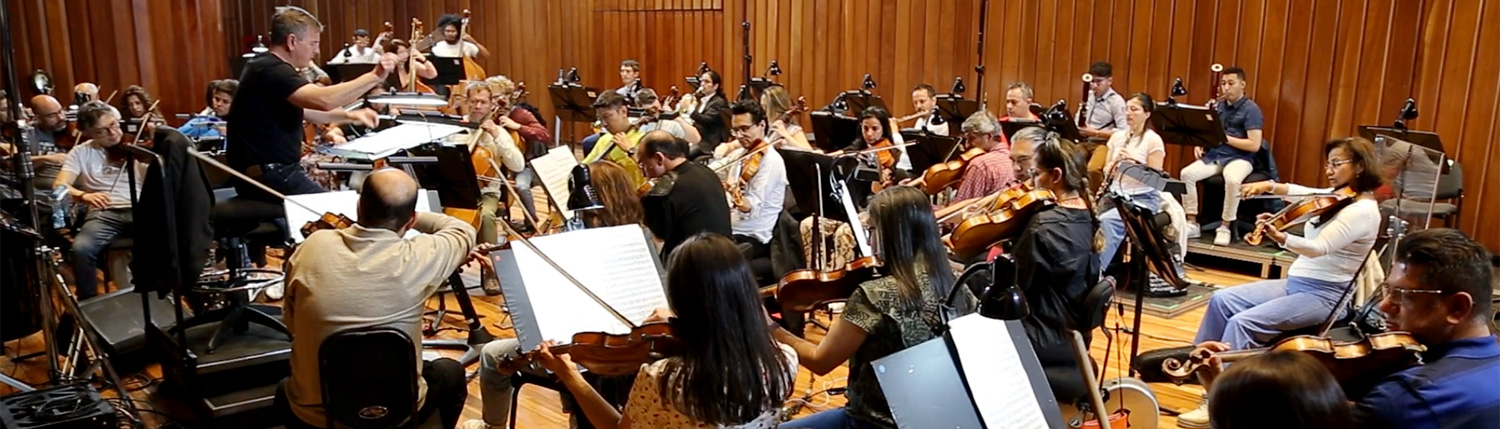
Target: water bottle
column 60, row 206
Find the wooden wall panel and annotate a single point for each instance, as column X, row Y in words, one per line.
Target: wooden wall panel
column 1318, row 69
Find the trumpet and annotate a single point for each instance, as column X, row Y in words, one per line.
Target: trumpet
column 1218, row 72
column 1083, row 107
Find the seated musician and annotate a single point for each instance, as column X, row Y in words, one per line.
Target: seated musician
column 1018, row 103
column 620, row 138
column 404, row 66
column 136, row 101
column 48, row 140
column 85, row 92
column 630, row 73
column 359, row 52
column 884, row 315
column 621, row 200
column 783, row 133
column 315, row 74
column 1054, row 253
column 1439, row 291
column 711, row 113
column 1330, row 253
column 94, row 174
column 923, row 98
column 267, row 141
column 1106, row 115
column 534, row 133
column 1281, row 389
column 210, row 122
column 1138, row 145
column 505, row 157
column 1235, row 161
column 875, row 132
column 677, row 125
column 450, row 47
column 727, row 352
column 760, row 180
column 368, row 276
column 685, row 197
column 989, row 173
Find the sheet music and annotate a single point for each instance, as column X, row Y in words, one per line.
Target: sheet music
column 615, row 263
column 342, row 202
column 554, row 169
column 389, row 141
column 997, row 379
column 860, row 234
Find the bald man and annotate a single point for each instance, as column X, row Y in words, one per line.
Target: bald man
column 49, row 126
column 368, row 275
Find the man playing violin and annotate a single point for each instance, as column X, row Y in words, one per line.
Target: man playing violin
column 757, row 182
column 94, row 174
column 368, row 275
column 1333, row 247
column 991, row 172
column 647, row 100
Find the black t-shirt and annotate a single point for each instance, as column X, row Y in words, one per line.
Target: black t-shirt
column 695, row 204
column 1055, row 266
column 267, row 127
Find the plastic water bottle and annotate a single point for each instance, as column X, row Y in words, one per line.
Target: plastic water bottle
column 60, row 206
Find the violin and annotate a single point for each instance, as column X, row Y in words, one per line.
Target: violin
column 948, row 174
column 1004, row 220
column 328, row 220
column 801, row 290
column 1357, row 365
column 748, row 169
column 612, row 354
column 1297, row 213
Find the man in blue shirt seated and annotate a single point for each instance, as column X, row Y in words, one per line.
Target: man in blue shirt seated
column 210, row 123
column 1235, row 160
column 1440, row 291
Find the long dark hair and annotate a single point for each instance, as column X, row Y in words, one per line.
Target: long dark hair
column 139, row 93
column 881, row 116
column 713, row 76
column 1282, row 389
column 911, row 246
column 731, row 371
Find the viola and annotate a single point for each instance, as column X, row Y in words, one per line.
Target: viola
column 1004, row 220
column 328, row 220
column 1297, row 213
column 801, row 290
column 1357, row 365
column 948, row 174
column 612, row 354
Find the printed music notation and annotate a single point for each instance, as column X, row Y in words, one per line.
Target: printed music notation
column 616, row 264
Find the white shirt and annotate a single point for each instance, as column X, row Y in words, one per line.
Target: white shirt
column 1334, row 250
column 451, row 50
column 765, row 194
column 89, row 163
column 1123, row 147
column 356, row 56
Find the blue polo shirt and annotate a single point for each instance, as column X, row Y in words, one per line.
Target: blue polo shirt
column 1459, row 387
column 1238, row 118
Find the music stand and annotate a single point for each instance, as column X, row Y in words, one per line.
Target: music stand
column 858, row 101
column 450, row 69
column 692, row 81
column 1065, row 128
column 340, row 73
column 1428, row 140
column 1189, row 125
column 1010, row 128
column 929, row 149
column 831, row 131
column 573, row 103
column 804, row 171
column 955, row 108
column 451, row 173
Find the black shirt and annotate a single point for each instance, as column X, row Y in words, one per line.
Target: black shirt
column 1055, row 265
column 267, row 126
column 693, row 203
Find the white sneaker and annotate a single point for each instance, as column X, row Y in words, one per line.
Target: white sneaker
column 475, row 424
column 1221, row 237
column 1195, row 419
column 275, row 291
column 1194, row 231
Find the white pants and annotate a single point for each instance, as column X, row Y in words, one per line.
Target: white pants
column 1234, row 174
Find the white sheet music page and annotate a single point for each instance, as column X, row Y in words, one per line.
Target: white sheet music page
column 615, row 263
column 553, row 169
column 997, row 380
column 387, row 142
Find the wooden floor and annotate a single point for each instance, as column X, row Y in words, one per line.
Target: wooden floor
column 539, row 408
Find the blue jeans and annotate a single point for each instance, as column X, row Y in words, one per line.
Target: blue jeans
column 588, row 142
column 288, row 179
column 1113, row 226
column 828, row 419
column 100, row 227
column 1247, row 316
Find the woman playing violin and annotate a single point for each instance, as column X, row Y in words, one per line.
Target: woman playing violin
column 1330, row 252
column 784, row 132
column 885, row 315
column 730, row 372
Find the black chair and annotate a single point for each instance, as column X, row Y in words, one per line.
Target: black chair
column 1446, row 203
column 240, row 227
column 1211, row 201
column 369, row 381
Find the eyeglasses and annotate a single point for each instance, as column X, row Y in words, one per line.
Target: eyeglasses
column 1399, row 294
column 1332, row 164
column 743, row 128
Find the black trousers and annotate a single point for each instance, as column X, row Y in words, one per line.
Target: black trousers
column 447, row 388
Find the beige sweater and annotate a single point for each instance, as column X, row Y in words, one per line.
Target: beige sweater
column 360, row 277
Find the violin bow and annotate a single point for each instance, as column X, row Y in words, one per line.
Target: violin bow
column 216, row 164
column 527, row 242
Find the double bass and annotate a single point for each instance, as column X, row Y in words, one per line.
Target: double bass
column 472, row 70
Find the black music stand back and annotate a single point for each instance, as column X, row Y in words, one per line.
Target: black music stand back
column 341, row 73
column 452, row 175
column 450, row 69
column 832, row 131
column 929, row 149
column 1010, row 128
column 574, row 103
column 858, row 101
column 1065, row 128
column 1188, row 125
column 804, row 171
column 955, row 108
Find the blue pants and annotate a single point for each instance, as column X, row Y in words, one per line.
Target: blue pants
column 1114, row 227
column 588, row 142
column 100, row 228
column 1247, row 316
column 828, row 419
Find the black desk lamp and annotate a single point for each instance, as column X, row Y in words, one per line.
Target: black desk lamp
column 582, row 195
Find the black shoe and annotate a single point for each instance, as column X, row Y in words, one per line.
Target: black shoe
column 489, row 282
column 522, row 227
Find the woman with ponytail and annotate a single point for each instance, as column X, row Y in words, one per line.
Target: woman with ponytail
column 1054, row 255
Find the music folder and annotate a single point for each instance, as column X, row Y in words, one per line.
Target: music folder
column 450, row 69
column 576, row 101
column 970, row 378
column 929, row 149
column 955, row 108
column 619, row 264
column 832, row 131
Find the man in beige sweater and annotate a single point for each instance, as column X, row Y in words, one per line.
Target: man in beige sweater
column 368, row 275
